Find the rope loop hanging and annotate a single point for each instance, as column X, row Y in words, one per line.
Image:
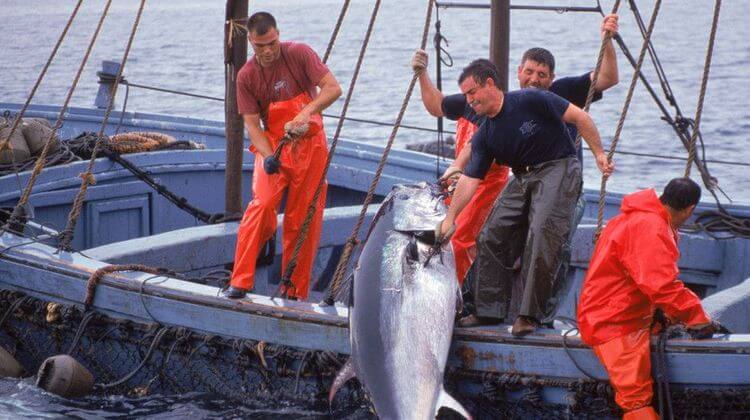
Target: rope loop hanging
column 67, row 235
column 349, row 247
column 704, row 84
column 623, row 115
column 595, row 78
column 23, row 200
column 292, row 264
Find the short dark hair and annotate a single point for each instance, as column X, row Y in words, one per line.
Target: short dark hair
column 541, row 56
column 260, row 23
column 481, row 70
column 681, row 193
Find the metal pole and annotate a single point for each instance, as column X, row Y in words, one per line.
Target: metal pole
column 235, row 57
column 500, row 39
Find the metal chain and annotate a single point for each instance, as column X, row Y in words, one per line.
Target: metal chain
column 87, row 178
column 623, row 114
column 17, row 211
column 292, row 264
column 4, row 145
column 336, row 29
column 704, row 84
column 352, row 241
column 592, row 87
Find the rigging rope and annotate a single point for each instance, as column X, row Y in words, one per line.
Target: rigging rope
column 623, row 114
column 87, row 178
column 292, row 264
column 17, row 211
column 704, row 84
column 336, row 29
column 592, row 87
column 352, row 241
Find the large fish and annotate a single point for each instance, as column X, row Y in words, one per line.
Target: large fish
column 404, row 297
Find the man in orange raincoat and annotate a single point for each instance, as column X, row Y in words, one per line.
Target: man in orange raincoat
column 633, row 272
column 279, row 86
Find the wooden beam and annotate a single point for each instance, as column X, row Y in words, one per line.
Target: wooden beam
column 500, row 39
column 234, row 58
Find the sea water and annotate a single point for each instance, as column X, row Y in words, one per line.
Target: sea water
column 179, row 46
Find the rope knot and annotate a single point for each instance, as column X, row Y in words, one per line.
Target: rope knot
column 88, row 177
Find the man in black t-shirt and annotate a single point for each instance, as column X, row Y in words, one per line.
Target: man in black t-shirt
column 524, row 130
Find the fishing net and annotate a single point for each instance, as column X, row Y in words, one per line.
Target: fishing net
column 139, row 359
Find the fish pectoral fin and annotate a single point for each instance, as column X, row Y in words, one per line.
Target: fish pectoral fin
column 344, row 374
column 446, row 400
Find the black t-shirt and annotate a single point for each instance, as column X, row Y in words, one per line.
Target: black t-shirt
column 574, row 89
column 528, row 130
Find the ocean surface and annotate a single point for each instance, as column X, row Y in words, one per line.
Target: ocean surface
column 179, row 47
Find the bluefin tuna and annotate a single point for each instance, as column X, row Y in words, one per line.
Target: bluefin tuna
column 403, row 304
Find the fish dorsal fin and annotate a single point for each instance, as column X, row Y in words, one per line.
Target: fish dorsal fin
column 446, row 400
column 346, row 373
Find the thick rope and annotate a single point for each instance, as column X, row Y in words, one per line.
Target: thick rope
column 292, row 264
column 623, row 114
column 336, row 29
column 17, row 211
column 352, row 241
column 704, row 84
column 595, row 78
column 4, row 145
column 87, row 178
column 97, row 276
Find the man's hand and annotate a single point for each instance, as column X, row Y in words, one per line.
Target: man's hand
column 444, row 230
column 451, row 174
column 295, row 132
column 705, row 331
column 419, row 62
column 610, row 25
column 271, row 164
column 299, row 122
column 604, row 165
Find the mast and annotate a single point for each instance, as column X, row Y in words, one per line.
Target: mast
column 234, row 57
column 500, row 39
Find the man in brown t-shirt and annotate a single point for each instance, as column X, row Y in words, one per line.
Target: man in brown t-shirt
column 279, row 86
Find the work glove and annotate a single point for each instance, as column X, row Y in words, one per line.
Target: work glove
column 440, row 237
column 419, row 62
column 705, row 331
column 295, row 132
column 271, row 165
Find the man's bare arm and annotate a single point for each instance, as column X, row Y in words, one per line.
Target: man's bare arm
column 465, row 189
column 608, row 73
column 330, row 90
column 256, row 135
column 432, row 98
column 590, row 134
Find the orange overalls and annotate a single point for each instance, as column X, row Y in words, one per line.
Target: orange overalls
column 302, row 166
column 470, row 221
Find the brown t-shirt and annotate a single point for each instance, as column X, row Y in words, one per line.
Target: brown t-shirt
column 298, row 69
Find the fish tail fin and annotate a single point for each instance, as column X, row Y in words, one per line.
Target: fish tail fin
column 346, row 373
column 446, row 400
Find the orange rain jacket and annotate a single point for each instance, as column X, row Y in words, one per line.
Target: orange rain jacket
column 632, row 272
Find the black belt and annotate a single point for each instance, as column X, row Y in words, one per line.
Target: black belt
column 523, row 169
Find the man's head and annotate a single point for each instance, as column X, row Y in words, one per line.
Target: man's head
column 479, row 82
column 537, row 69
column 264, row 37
column 680, row 197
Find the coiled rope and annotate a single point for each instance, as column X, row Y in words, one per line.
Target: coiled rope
column 87, row 178
column 623, row 114
column 17, row 211
column 292, row 264
column 352, row 241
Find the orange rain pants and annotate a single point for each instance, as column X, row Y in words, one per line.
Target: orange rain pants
column 627, row 360
column 302, row 166
column 471, row 219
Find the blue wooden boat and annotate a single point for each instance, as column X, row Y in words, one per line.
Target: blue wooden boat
column 170, row 332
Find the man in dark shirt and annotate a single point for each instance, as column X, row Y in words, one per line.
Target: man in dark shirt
column 524, row 130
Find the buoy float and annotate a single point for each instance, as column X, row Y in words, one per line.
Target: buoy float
column 9, row 366
column 64, row 376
